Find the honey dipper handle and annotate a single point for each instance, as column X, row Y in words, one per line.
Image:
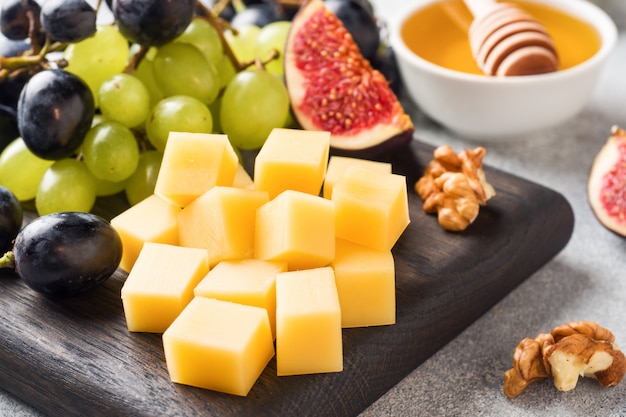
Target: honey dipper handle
column 480, row 8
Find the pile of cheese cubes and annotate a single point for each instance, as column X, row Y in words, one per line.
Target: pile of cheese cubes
column 225, row 265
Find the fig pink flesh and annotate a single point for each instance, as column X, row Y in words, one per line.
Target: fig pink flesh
column 613, row 194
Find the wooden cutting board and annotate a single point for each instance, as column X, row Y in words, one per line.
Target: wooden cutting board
column 74, row 357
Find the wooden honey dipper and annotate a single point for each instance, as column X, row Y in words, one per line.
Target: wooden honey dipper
column 506, row 40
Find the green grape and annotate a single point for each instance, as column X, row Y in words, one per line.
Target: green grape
column 226, row 70
column 66, row 186
column 145, row 73
column 177, row 114
column 21, row 171
column 181, row 69
column 125, row 99
column 254, row 103
column 110, row 151
column 141, row 184
column 243, row 42
column 203, row 36
column 272, row 36
column 106, row 188
column 98, row 57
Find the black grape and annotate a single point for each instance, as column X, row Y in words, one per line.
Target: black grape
column 14, row 20
column 54, row 112
column 359, row 20
column 66, row 253
column 153, row 22
column 68, row 20
column 11, row 217
column 8, row 126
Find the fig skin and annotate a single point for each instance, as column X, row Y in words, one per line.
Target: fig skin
column 368, row 135
column 611, row 160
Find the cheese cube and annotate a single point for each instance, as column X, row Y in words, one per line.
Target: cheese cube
column 297, row 228
column 365, row 280
column 160, row 285
column 308, row 323
column 222, row 221
column 218, row 345
column 245, row 281
column 150, row 220
column 292, row 159
column 338, row 164
column 242, row 178
column 371, row 207
column 192, row 164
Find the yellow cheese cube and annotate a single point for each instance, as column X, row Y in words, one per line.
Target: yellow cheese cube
column 218, row 345
column 372, row 207
column 245, row 281
column 242, row 178
column 308, row 323
column 338, row 164
column 297, row 228
column 292, row 159
column 160, row 285
column 365, row 280
column 151, row 220
column 194, row 163
column 222, row 221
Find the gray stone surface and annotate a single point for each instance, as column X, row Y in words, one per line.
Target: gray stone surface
column 586, row 281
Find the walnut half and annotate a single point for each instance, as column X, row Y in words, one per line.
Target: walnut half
column 569, row 351
column 454, row 187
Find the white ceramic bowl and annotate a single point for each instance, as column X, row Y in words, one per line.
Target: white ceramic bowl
column 503, row 108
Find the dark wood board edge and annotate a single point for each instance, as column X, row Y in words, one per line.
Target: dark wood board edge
column 75, row 357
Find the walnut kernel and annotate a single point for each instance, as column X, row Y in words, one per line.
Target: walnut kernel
column 454, row 187
column 569, row 351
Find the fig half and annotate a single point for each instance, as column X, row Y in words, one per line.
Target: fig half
column 606, row 186
column 332, row 87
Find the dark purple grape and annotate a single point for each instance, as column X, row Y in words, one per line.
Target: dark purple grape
column 66, row 253
column 68, row 20
column 359, row 20
column 256, row 14
column 153, row 22
column 54, row 112
column 8, row 126
column 11, row 217
column 14, row 19
column 12, row 85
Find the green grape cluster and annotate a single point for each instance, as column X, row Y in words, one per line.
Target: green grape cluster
column 206, row 80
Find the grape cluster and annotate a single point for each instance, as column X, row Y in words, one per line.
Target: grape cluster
column 88, row 97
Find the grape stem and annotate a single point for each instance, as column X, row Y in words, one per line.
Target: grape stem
column 134, row 61
column 8, row 64
column 8, row 260
column 260, row 64
column 219, row 6
column 217, row 23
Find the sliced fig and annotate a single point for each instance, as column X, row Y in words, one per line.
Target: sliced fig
column 606, row 187
column 332, row 87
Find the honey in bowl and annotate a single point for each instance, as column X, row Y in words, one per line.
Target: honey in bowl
column 439, row 33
